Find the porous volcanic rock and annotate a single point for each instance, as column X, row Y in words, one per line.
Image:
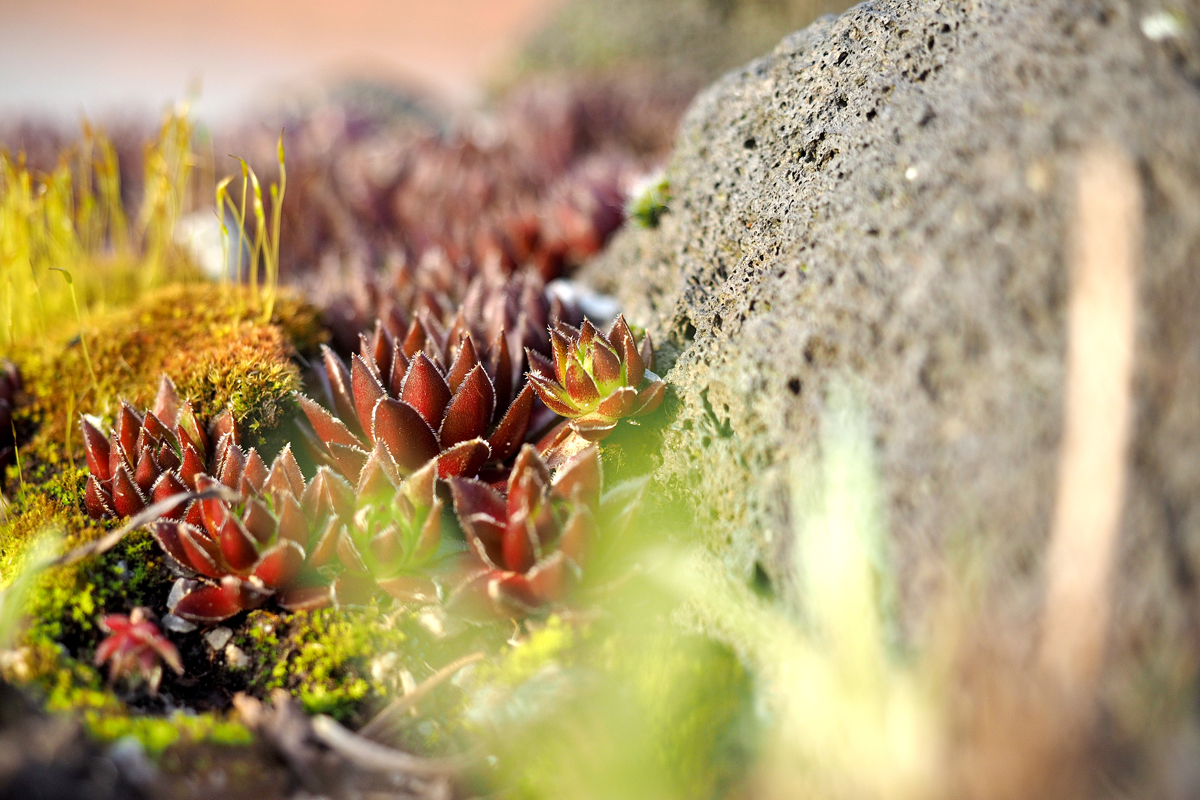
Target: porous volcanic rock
column 888, row 196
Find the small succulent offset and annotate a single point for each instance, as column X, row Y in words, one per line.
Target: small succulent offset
column 599, row 380
column 527, row 549
column 391, row 539
column 135, row 645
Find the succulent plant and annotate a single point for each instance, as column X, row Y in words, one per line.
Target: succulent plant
column 598, row 380
column 148, row 458
column 527, row 548
column 136, row 645
column 391, row 539
column 264, row 546
column 398, row 395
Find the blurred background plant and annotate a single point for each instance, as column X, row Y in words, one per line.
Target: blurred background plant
column 74, row 220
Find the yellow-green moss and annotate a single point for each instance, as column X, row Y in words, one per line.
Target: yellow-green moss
column 159, row 733
column 208, row 338
column 323, row 656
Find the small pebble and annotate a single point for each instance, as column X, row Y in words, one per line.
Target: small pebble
column 177, row 624
column 218, row 637
column 235, row 657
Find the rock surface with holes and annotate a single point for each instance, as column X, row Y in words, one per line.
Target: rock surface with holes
column 887, row 197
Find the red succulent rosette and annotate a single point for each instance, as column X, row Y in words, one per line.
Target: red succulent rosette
column 598, row 380
column 151, row 457
column 527, row 548
column 398, row 395
column 135, row 645
column 264, row 546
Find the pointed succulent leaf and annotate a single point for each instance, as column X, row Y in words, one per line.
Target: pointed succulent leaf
column 618, row 404
column 519, row 544
column 127, row 428
column 292, row 525
column 280, row 564
column 193, row 466
column 147, row 471
column 408, row 437
column 285, row 474
column 593, row 427
column 464, row 459
column 553, row 395
column 367, row 392
column 539, row 364
column 203, row 554
column 168, row 486
column 166, row 401
column 340, row 386
column 622, row 338
column 254, row 473
column 606, row 368
column 187, row 427
column 127, row 497
column 348, row 460
column 328, row 427
column 426, row 390
column 238, row 547
column 209, row 605
column 349, row 554
column 399, row 369
column 480, row 510
column 646, row 350
column 470, row 410
column 95, row 445
column 648, row 399
column 259, row 522
column 166, row 533
column 97, row 500
column 324, row 549
column 580, row 385
column 465, row 361
column 232, row 465
column 563, row 355
column 513, row 426
column 378, row 476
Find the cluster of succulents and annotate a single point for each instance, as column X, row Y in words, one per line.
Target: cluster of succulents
column 541, row 182
column 407, row 414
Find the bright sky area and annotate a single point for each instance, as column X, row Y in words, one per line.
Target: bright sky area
column 68, row 57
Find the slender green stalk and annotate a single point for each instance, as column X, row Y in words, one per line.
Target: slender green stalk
column 79, row 318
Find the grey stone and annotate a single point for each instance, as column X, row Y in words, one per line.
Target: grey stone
column 887, row 196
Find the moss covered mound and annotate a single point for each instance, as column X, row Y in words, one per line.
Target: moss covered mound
column 211, row 340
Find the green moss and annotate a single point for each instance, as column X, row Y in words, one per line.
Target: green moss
column 322, row 657
column 159, row 733
column 209, row 339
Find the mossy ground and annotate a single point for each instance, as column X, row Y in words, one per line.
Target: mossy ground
column 212, row 341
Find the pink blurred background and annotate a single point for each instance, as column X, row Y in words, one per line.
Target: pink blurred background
column 68, row 57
